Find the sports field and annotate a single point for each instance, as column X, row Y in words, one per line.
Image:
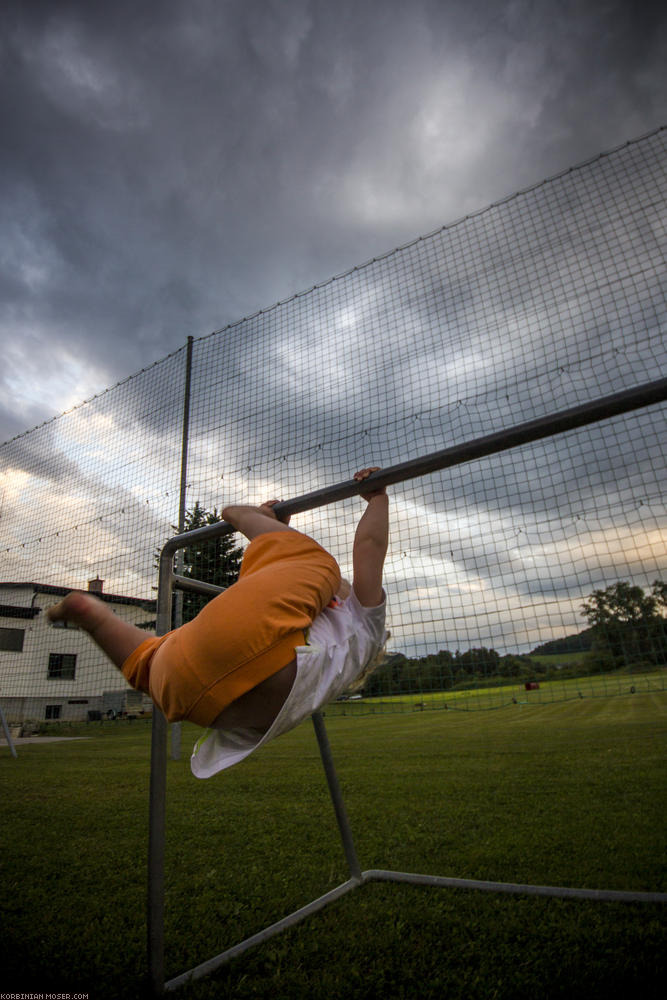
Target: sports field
column 565, row 793
column 492, row 695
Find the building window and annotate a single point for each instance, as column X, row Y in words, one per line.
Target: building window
column 11, row 639
column 62, row 666
column 52, row 712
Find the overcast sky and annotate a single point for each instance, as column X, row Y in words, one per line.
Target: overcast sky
column 168, row 168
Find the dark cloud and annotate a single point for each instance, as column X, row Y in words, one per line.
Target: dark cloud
column 167, row 168
column 36, row 456
column 170, row 168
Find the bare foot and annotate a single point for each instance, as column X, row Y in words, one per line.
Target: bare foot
column 80, row 609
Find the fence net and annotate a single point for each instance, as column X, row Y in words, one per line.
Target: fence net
column 553, row 297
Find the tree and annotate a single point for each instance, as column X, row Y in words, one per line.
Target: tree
column 628, row 625
column 480, row 661
column 622, row 603
column 516, row 666
column 217, row 561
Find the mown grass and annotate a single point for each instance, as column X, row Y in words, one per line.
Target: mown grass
column 561, row 794
column 492, row 695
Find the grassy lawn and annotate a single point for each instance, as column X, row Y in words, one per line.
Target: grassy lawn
column 567, row 793
column 485, row 698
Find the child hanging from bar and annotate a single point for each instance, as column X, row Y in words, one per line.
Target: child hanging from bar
column 287, row 637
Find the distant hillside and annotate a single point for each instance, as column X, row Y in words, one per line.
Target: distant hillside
column 580, row 642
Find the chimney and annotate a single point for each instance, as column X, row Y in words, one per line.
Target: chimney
column 95, row 586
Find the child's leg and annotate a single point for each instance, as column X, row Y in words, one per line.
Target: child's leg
column 118, row 639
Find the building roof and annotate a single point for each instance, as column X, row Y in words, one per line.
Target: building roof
column 47, row 588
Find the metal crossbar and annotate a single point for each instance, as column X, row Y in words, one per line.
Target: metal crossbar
column 610, row 406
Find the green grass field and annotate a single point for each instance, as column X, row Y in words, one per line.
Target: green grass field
column 569, row 793
column 485, row 698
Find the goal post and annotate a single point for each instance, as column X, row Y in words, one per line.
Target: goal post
column 558, row 423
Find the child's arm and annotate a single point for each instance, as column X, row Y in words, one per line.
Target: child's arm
column 370, row 545
column 253, row 521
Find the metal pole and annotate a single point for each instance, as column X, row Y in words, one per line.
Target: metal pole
column 518, row 889
column 8, row 735
column 206, row 968
column 156, row 840
column 336, row 796
column 534, row 430
column 185, row 438
column 178, row 610
column 157, row 795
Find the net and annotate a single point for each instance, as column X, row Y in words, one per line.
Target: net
column 551, row 298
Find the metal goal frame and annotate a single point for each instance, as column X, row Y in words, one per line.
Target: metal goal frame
column 170, row 581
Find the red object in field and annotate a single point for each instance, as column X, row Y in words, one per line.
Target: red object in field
column 532, row 686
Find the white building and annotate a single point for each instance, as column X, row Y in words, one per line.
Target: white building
column 52, row 671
